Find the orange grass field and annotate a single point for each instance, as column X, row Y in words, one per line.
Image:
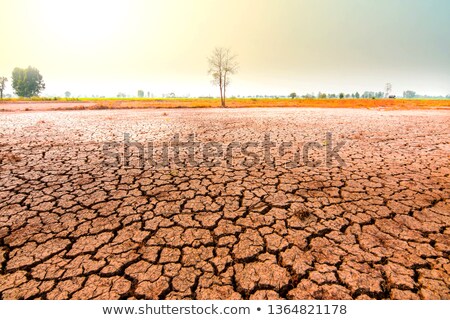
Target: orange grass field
column 105, row 103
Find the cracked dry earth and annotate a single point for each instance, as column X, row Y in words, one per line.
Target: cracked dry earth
column 377, row 228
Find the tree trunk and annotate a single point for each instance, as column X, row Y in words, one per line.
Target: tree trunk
column 221, row 90
column 224, row 89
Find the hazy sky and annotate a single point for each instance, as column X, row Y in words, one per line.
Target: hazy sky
column 107, row 46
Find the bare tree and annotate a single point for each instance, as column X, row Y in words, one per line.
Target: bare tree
column 3, row 81
column 388, row 90
column 222, row 64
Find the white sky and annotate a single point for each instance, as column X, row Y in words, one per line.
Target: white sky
column 104, row 47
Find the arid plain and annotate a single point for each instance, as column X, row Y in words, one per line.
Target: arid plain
column 78, row 223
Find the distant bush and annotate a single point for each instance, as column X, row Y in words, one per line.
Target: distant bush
column 27, row 82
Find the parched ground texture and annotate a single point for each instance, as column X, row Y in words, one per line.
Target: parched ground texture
column 73, row 227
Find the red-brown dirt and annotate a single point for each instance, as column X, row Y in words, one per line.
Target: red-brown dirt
column 376, row 227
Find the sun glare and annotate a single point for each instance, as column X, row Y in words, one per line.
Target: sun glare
column 82, row 22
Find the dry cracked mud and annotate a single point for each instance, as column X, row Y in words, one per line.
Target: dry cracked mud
column 73, row 227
